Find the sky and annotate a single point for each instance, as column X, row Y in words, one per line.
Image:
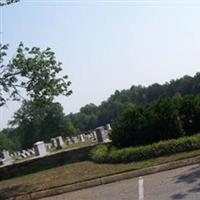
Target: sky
column 106, row 45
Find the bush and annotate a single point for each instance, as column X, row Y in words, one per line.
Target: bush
column 189, row 111
column 146, row 124
column 108, row 154
column 100, row 154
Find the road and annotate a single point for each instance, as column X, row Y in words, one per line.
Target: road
column 178, row 184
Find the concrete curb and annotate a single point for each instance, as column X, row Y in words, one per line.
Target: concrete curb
column 107, row 179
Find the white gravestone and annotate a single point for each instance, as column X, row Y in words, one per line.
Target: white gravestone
column 60, row 142
column 108, row 127
column 40, row 148
column 6, row 159
column 82, row 139
column 75, row 139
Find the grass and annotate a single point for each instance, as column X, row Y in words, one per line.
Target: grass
column 78, row 172
column 72, row 146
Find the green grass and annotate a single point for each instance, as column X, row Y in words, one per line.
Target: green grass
column 72, row 146
column 78, row 172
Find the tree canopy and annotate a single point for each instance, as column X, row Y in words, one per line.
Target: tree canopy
column 33, row 72
column 7, row 2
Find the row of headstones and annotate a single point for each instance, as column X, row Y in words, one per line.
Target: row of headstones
column 100, row 135
column 7, row 158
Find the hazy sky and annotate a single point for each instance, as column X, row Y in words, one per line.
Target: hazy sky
column 107, row 45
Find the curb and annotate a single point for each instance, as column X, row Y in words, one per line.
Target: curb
column 107, row 179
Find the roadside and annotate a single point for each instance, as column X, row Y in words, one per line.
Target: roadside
column 78, row 175
column 176, row 184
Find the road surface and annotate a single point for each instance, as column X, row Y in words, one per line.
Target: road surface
column 178, row 184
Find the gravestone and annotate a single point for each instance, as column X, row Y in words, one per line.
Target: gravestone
column 94, row 135
column 5, row 158
column 54, row 143
column 68, row 141
column 48, row 146
column 82, row 139
column 100, row 133
column 75, row 140
column 31, row 151
column 60, row 143
column 40, row 148
column 26, row 153
column 23, row 155
column 108, row 127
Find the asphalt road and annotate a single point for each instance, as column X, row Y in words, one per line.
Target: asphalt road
column 178, row 184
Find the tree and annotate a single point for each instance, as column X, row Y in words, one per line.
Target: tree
column 146, row 124
column 34, row 72
column 189, row 111
column 35, row 122
column 7, row 2
column 5, row 142
column 164, row 120
column 130, row 127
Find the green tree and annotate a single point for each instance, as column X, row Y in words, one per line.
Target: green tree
column 130, row 127
column 7, row 2
column 189, row 111
column 145, row 124
column 5, row 142
column 34, row 72
column 35, row 122
column 164, row 120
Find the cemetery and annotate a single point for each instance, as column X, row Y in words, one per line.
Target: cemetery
column 48, row 155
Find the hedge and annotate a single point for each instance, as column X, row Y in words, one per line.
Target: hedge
column 106, row 153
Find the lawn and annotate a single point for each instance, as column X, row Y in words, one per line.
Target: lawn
column 77, row 172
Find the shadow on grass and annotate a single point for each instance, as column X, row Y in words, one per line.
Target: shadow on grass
column 44, row 163
column 13, row 191
column 192, row 178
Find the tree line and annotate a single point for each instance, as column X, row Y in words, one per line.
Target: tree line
column 37, row 120
column 91, row 116
column 163, row 119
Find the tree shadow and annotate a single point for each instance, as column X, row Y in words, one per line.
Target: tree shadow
column 178, row 196
column 190, row 177
column 13, row 191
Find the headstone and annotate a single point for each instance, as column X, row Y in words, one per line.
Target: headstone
column 82, row 139
column 94, row 135
column 108, row 127
column 25, row 153
column 31, row 151
column 40, row 148
column 5, row 159
column 48, row 146
column 100, row 133
column 60, row 142
column 54, row 143
column 75, row 139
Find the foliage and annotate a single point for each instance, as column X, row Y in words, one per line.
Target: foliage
column 108, row 154
column 34, row 72
column 100, row 153
column 35, row 121
column 91, row 116
column 6, row 143
column 7, row 2
column 163, row 120
column 145, row 124
column 189, row 109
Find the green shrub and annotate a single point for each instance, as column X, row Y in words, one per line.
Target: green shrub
column 146, row 124
column 100, row 153
column 109, row 154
